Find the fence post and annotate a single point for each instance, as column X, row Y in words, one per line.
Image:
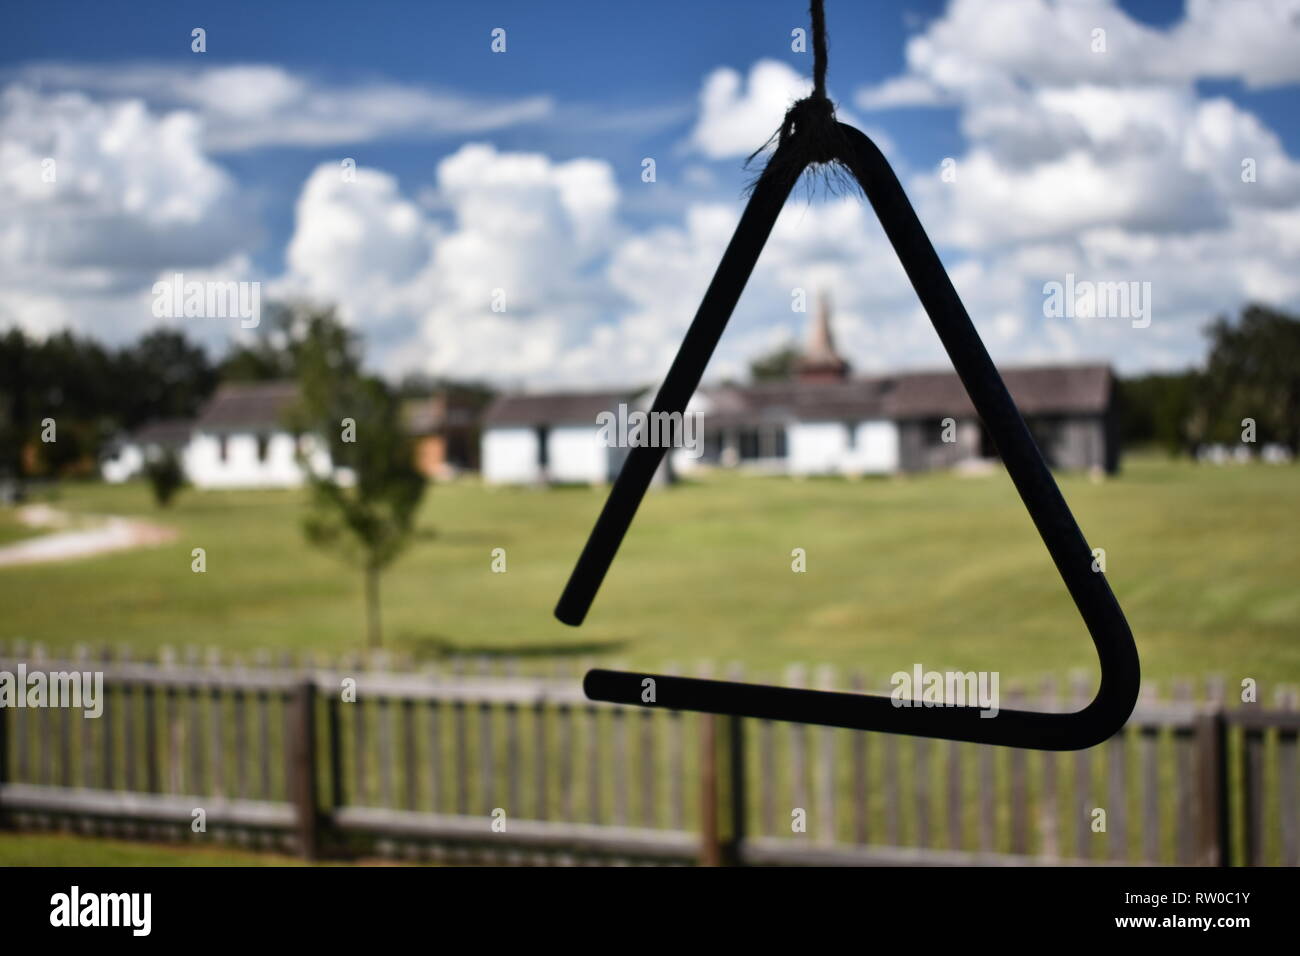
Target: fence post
column 4, row 758
column 710, row 848
column 1215, row 825
column 335, row 750
column 302, row 768
column 1251, row 761
column 737, row 797
column 722, row 815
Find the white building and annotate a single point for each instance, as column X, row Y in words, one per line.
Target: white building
column 239, row 440
column 796, row 428
column 550, row 438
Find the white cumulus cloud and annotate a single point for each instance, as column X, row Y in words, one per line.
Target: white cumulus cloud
column 96, row 199
column 1091, row 151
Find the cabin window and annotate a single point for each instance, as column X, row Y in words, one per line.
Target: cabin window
column 851, row 435
column 543, row 451
column 764, row 441
column 778, row 441
column 263, row 445
column 222, row 449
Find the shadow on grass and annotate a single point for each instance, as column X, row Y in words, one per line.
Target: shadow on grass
column 438, row 646
column 465, row 538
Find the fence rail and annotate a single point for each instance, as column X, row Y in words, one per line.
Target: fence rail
column 484, row 763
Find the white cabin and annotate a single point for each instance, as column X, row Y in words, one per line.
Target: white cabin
column 239, row 440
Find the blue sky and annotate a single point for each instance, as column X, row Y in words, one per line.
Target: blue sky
column 522, row 171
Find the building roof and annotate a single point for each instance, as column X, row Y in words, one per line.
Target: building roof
column 168, row 432
column 248, row 405
column 1064, row 390
column 1040, row 390
column 428, row 416
column 555, row 408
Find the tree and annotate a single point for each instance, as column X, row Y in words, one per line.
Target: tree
column 165, row 476
column 364, row 505
column 776, row 366
column 91, row 393
column 64, row 379
column 1253, row 372
column 272, row 354
column 16, row 360
column 163, row 375
column 1157, row 409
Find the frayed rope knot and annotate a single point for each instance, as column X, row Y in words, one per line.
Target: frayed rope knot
column 810, row 135
column 811, row 122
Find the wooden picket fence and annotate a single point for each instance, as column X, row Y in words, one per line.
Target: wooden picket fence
column 489, row 762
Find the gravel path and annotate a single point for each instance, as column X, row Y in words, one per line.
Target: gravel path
column 83, row 537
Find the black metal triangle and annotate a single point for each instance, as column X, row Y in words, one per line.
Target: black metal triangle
column 1097, row 606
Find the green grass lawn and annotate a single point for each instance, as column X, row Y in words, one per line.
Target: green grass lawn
column 937, row 569
column 12, row 530
column 62, row 849
column 57, row 849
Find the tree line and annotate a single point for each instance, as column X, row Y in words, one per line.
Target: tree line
column 1251, row 372
column 91, row 392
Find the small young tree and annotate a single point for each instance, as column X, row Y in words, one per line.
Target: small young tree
column 165, row 476
column 363, row 506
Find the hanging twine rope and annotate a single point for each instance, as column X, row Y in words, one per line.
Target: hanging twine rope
column 818, row 15
column 810, row 133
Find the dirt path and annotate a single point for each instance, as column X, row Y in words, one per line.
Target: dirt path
column 81, row 537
